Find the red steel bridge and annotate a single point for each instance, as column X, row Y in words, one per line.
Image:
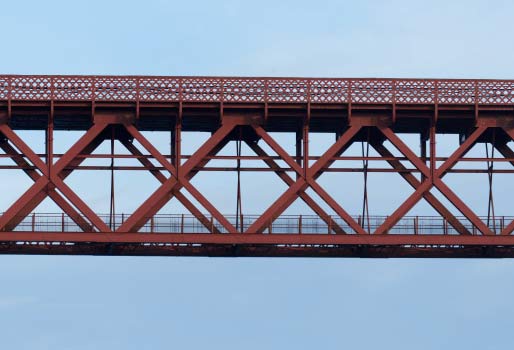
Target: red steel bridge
column 249, row 111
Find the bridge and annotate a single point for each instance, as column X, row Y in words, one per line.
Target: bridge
column 250, row 111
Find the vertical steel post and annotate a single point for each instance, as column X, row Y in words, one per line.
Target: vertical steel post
column 423, row 152
column 298, row 149
column 178, row 140
column 306, row 141
column 50, row 140
column 433, row 163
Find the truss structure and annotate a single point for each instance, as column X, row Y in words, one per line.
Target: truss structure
column 250, row 110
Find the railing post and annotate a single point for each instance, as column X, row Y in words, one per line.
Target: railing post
column 182, row 224
column 329, row 225
column 151, row 224
column 436, row 100
column 393, row 97
column 416, row 223
column 51, row 89
column 9, row 98
column 266, row 88
column 180, row 90
column 222, row 90
column 300, row 224
column 308, row 87
column 350, row 82
column 62, row 222
column 476, row 100
column 138, row 88
column 33, row 222
column 212, row 224
column 93, row 96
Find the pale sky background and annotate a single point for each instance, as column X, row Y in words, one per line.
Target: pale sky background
column 194, row 303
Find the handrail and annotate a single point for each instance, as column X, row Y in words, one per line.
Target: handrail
column 283, row 224
column 256, row 90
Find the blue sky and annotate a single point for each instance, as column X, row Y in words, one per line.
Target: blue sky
column 192, row 303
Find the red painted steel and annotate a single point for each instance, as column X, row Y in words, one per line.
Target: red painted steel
column 249, row 110
column 255, row 90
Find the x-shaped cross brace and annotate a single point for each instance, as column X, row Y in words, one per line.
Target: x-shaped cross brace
column 48, row 181
column 159, row 176
column 431, row 181
column 303, row 182
column 180, row 179
column 415, row 183
column 290, row 181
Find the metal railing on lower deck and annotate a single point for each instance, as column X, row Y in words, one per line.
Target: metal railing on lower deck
column 285, row 224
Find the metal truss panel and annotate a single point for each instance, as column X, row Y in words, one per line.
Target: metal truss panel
column 70, row 88
column 244, row 90
column 329, row 91
column 494, row 92
column 201, row 89
column 372, row 91
column 159, row 89
column 115, row 89
column 409, row 91
column 287, row 90
column 30, row 88
column 457, row 92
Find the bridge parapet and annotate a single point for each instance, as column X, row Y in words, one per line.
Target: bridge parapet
column 256, row 90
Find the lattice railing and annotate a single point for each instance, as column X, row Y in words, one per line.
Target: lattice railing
column 256, row 90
